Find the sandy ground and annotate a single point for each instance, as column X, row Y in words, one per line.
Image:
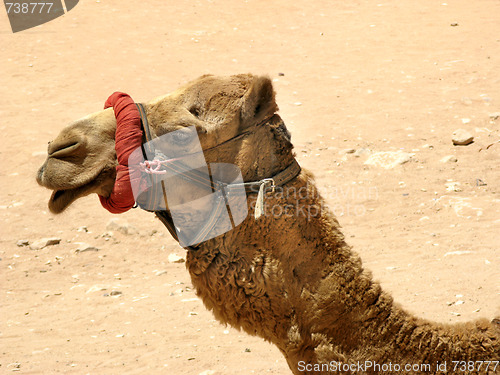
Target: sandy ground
column 375, row 75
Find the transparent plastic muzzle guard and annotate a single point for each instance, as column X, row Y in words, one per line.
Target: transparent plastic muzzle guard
column 204, row 200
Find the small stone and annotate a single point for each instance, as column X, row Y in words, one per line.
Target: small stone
column 458, row 252
column 174, row 258
column 466, row 120
column 449, row 159
column 347, row 151
column 453, row 186
column 82, row 247
column 495, row 115
column 121, row 226
column 389, row 159
column 162, row 272
column 96, row 288
column 462, row 137
column 466, row 100
column 454, row 24
column 247, row 350
column 83, row 229
column 44, row 242
column 361, row 152
column 16, row 366
column 430, row 147
column 480, row 182
column 22, row 243
column 115, row 293
column 281, row 74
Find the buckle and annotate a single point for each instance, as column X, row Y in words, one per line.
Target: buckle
column 268, row 182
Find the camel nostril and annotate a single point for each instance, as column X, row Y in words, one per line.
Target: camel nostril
column 60, row 150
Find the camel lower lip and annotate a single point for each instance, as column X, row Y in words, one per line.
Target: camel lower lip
column 61, row 199
column 57, row 194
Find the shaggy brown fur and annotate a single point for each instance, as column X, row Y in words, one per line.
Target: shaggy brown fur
column 288, row 277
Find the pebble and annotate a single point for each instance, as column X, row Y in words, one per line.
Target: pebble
column 44, row 242
column 115, row 293
column 466, row 100
column 15, row 366
column 22, row 243
column 461, row 137
column 453, row 186
column 458, row 253
column 83, row 229
column 162, row 272
column 347, row 151
column 389, row 159
column 449, row 159
column 361, row 152
column 121, row 226
column 82, row 247
column 174, row 258
column 495, row 115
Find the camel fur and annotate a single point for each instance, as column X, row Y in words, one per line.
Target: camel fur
column 288, row 277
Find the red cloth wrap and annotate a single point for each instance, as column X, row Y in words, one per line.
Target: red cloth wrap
column 128, row 137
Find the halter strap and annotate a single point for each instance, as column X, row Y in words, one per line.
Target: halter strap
column 199, row 178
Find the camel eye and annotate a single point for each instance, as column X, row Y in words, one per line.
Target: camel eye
column 183, row 137
column 195, row 111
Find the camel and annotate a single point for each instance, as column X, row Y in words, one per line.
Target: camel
column 287, row 276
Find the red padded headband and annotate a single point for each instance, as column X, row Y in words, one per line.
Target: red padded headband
column 128, row 137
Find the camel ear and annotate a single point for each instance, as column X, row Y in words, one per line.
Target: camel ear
column 258, row 102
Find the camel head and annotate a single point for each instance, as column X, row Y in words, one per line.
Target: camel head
column 82, row 159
